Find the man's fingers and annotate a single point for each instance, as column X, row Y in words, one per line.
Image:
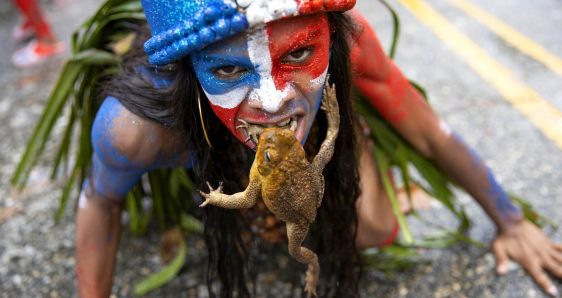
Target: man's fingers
column 502, row 260
column 554, row 267
column 558, row 246
column 540, row 277
column 557, row 256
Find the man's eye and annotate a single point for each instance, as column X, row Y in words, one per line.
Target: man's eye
column 298, row 56
column 230, row 71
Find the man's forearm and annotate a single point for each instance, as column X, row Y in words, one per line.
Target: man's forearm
column 388, row 90
column 98, row 230
column 464, row 167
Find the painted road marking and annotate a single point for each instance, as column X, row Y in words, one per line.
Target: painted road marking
column 511, row 36
column 527, row 101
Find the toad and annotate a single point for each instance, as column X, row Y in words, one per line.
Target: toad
column 291, row 187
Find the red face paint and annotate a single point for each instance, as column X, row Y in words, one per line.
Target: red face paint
column 282, row 71
column 304, row 33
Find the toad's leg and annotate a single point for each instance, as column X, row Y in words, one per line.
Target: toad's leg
column 296, row 234
column 330, row 106
column 241, row 200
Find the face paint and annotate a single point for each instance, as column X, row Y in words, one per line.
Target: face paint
column 272, row 75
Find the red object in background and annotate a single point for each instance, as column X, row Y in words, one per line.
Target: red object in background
column 33, row 16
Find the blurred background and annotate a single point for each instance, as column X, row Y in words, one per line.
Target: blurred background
column 492, row 70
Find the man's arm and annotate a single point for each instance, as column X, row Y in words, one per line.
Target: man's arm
column 376, row 76
column 125, row 147
column 98, row 230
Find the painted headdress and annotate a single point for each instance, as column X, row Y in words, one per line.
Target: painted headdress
column 181, row 26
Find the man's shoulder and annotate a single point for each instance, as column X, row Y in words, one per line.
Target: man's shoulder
column 122, row 139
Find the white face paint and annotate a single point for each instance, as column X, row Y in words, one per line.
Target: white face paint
column 319, row 81
column 267, row 94
column 230, row 99
column 269, row 75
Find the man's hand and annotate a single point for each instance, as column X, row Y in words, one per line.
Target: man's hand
column 527, row 245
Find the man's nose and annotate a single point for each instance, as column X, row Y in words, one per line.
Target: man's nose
column 270, row 99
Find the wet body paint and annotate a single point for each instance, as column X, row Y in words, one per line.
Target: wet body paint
column 504, row 205
column 506, row 209
column 377, row 77
column 268, row 81
column 113, row 172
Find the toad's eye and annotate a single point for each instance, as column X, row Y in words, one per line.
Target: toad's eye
column 298, row 56
column 230, row 72
column 267, row 157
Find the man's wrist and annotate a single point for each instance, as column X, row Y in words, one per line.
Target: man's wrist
column 509, row 219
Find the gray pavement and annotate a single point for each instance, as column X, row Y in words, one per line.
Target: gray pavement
column 36, row 256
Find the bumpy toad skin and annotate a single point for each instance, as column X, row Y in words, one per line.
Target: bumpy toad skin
column 290, row 186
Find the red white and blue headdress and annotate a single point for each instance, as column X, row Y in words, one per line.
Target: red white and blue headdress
column 181, row 26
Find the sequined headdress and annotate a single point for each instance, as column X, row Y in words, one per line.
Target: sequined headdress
column 181, row 26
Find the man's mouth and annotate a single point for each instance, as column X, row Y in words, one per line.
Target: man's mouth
column 252, row 131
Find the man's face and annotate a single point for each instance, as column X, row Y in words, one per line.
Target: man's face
column 271, row 76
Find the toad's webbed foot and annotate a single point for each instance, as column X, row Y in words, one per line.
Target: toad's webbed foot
column 331, row 108
column 311, row 279
column 330, row 101
column 213, row 196
column 239, row 200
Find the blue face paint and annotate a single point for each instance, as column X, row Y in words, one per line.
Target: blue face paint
column 205, row 67
column 270, row 75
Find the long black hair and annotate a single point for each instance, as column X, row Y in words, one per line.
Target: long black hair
column 227, row 235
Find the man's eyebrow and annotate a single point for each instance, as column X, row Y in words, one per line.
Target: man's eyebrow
column 308, row 36
column 224, row 58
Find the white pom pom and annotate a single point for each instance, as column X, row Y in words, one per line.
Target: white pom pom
column 256, row 15
column 244, row 3
column 276, row 8
column 291, row 8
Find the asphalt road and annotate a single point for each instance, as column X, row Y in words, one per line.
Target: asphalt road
column 522, row 147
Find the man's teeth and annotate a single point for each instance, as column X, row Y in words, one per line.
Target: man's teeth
column 293, row 124
column 254, row 130
column 284, row 123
